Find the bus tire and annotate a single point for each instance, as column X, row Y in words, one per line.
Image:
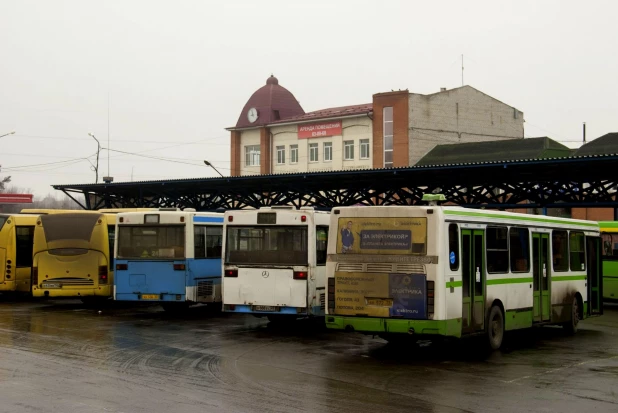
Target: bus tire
column 495, row 328
column 571, row 326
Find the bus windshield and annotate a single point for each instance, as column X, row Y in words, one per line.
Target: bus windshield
column 151, row 242
column 610, row 245
column 286, row 245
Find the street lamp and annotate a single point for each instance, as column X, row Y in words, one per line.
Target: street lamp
column 7, row 134
column 213, row 167
column 96, row 168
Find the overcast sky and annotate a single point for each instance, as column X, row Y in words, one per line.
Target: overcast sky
column 176, row 73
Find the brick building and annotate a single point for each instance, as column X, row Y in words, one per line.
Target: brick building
column 274, row 134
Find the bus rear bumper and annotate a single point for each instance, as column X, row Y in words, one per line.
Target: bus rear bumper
column 249, row 309
column 151, row 297
column 370, row 325
column 72, row 292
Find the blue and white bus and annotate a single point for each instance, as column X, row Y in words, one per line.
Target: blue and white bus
column 169, row 257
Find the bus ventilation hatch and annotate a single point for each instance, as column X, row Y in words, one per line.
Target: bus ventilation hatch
column 205, row 289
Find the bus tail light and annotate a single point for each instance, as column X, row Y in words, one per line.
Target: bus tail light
column 179, row 267
column 102, row 274
column 35, row 275
column 331, row 295
column 300, row 275
column 231, row 273
column 430, row 299
column 122, row 267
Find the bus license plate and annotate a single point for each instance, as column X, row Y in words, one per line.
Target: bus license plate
column 380, row 302
column 150, row 296
column 265, row 308
column 51, row 285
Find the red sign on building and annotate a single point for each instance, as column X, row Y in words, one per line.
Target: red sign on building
column 319, row 130
column 15, row 198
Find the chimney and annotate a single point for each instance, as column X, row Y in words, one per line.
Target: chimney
column 442, row 89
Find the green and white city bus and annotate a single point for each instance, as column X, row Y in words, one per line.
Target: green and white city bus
column 430, row 271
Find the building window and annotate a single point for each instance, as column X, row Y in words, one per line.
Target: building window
column 328, row 151
column 293, row 153
column 497, row 250
column 313, row 152
column 519, row 243
column 252, row 155
column 348, row 150
column 364, row 148
column 387, row 129
column 280, row 155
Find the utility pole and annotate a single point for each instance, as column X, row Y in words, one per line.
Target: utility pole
column 96, row 168
column 462, row 71
column 584, row 133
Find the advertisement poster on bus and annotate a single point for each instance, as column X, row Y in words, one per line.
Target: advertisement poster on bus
column 389, row 236
column 381, row 295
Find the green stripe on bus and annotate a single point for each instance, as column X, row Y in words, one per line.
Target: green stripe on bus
column 453, row 284
column 509, row 281
column 608, row 224
column 518, row 218
column 568, row 278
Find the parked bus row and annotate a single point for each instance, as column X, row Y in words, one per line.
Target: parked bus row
column 395, row 272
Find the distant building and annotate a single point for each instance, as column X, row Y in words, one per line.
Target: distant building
column 274, row 134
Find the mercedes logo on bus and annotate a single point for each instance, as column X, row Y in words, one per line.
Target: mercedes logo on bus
column 265, row 274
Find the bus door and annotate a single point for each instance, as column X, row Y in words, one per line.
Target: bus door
column 595, row 275
column 24, row 239
column 473, row 279
column 541, row 301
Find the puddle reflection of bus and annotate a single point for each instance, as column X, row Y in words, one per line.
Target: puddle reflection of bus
column 609, row 234
column 421, row 272
column 73, row 255
column 172, row 258
column 16, row 238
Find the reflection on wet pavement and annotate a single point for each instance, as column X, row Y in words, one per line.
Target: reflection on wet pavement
column 66, row 357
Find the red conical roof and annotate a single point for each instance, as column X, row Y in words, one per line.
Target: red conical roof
column 273, row 103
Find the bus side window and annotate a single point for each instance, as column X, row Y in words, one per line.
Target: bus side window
column 199, row 242
column 111, row 234
column 453, row 246
column 577, row 251
column 214, row 238
column 321, row 244
column 560, row 250
column 24, row 237
column 497, row 250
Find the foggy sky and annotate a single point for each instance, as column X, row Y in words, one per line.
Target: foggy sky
column 176, row 73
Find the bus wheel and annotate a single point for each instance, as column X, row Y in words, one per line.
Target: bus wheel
column 495, row 328
column 571, row 325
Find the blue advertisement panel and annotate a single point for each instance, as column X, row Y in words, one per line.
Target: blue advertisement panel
column 409, row 295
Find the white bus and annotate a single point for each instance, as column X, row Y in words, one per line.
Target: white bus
column 168, row 257
column 427, row 271
column 274, row 262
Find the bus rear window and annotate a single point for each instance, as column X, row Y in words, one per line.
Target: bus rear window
column 151, row 242
column 286, row 245
column 2, row 221
column 59, row 227
column 610, row 245
column 382, row 235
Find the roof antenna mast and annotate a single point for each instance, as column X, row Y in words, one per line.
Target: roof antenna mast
column 462, row 69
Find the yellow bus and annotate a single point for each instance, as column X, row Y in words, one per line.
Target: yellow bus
column 73, row 255
column 16, row 239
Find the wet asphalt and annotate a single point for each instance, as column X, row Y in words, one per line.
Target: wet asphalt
column 67, row 357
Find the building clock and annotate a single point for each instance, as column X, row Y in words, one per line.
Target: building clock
column 253, row 115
